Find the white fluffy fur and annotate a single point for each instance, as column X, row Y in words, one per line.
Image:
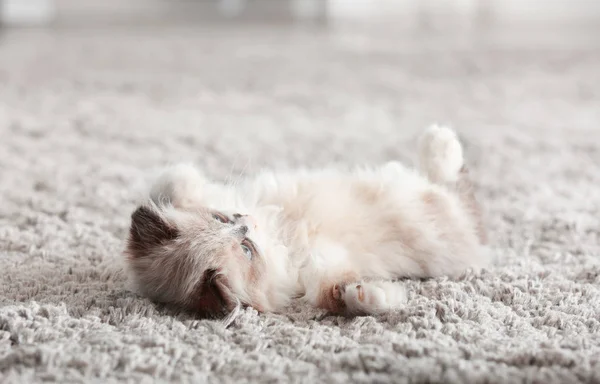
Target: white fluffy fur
column 373, row 297
column 335, row 237
column 440, row 154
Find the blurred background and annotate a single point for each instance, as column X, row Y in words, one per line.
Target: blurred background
column 418, row 13
column 284, row 66
column 408, row 14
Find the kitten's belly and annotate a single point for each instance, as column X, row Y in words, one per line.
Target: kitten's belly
column 378, row 227
column 359, row 226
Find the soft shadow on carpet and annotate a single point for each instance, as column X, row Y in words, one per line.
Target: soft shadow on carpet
column 85, row 117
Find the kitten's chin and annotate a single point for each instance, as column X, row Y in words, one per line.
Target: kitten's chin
column 282, row 290
column 267, row 294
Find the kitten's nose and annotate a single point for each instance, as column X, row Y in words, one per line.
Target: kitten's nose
column 243, row 229
column 250, row 221
column 247, row 220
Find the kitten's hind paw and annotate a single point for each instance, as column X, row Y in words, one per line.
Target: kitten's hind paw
column 374, row 297
column 440, row 154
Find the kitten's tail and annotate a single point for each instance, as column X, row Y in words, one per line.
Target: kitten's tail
column 441, row 159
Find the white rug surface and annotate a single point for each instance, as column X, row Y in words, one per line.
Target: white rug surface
column 85, row 116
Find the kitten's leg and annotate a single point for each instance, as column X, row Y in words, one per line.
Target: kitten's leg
column 441, row 160
column 340, row 289
column 362, row 297
column 440, row 155
column 466, row 192
column 328, row 293
column 372, row 297
column 179, row 185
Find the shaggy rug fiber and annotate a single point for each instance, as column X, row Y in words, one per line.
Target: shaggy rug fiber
column 86, row 117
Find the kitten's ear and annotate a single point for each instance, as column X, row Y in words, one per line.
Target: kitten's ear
column 213, row 296
column 148, row 230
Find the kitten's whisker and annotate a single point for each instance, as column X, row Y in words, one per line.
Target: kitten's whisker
column 229, row 178
column 243, row 171
column 227, row 321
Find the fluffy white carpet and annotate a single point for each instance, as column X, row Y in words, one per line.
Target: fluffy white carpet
column 84, row 117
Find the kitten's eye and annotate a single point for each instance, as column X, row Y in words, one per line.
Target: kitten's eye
column 221, row 218
column 247, row 250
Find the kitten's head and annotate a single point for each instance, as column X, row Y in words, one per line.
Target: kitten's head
column 202, row 259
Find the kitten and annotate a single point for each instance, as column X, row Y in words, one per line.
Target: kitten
column 334, row 238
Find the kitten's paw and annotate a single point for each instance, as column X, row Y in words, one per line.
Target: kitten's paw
column 337, row 291
column 440, row 154
column 179, row 185
column 373, row 297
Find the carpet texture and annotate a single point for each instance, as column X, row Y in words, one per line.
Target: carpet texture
column 85, row 117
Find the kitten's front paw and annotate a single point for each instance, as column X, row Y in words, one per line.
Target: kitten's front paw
column 180, row 185
column 337, row 291
column 373, row 297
